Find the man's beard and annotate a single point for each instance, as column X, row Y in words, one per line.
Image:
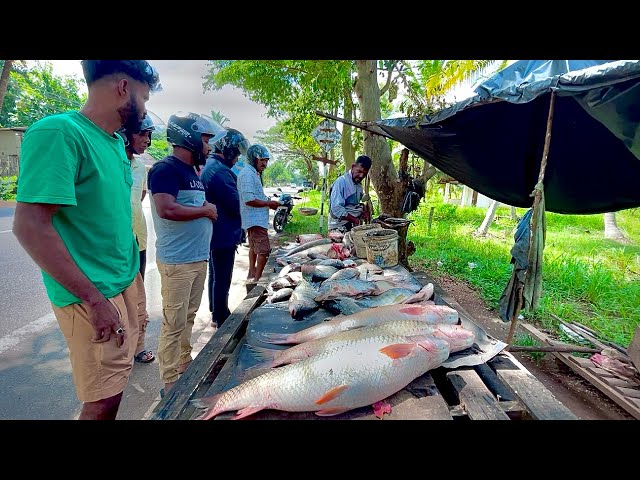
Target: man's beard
column 131, row 116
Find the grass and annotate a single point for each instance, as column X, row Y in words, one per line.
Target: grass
column 526, row 340
column 586, row 278
column 305, row 224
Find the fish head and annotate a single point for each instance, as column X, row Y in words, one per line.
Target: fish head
column 432, row 344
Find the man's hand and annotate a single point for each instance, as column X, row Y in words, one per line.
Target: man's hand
column 273, row 204
column 211, row 210
column 105, row 320
column 352, row 219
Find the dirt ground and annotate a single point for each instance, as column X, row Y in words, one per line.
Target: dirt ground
column 582, row 398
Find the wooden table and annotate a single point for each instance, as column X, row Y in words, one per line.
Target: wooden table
column 500, row 389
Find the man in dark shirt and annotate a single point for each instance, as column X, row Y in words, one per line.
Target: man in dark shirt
column 183, row 221
column 221, row 190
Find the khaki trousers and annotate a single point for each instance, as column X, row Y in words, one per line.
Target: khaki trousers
column 100, row 370
column 181, row 287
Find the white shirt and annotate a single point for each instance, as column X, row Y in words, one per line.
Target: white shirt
column 139, row 175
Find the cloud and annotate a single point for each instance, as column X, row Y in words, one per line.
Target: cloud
column 182, row 91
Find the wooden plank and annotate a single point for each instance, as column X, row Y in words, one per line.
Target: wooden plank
column 474, row 396
column 629, row 392
column 174, row 402
column 619, row 382
column 535, row 397
column 628, row 404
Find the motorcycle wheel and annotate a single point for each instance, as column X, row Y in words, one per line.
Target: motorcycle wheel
column 279, row 220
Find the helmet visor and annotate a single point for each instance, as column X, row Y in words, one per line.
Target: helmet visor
column 209, row 126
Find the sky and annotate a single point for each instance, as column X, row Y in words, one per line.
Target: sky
column 182, row 90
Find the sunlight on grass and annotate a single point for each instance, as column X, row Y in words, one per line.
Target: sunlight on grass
column 586, row 278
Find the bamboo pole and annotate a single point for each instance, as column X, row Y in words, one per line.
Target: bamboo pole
column 537, row 193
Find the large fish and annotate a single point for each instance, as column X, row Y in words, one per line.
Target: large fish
column 371, row 316
column 280, row 295
column 344, row 274
column 389, row 297
column 302, row 300
column 341, row 379
column 317, row 273
column 346, row 288
column 458, row 337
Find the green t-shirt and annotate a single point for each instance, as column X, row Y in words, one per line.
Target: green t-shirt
column 68, row 160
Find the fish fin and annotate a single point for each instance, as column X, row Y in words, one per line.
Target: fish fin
column 331, row 394
column 380, row 408
column 398, row 350
column 207, row 403
column 412, row 310
column 264, row 355
column 276, row 338
column 245, row 412
column 328, row 412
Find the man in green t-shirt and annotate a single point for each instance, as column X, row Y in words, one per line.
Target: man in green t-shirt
column 73, row 218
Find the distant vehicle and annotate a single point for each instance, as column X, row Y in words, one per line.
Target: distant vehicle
column 292, row 185
column 307, row 184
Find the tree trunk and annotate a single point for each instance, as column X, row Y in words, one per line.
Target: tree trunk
column 488, row 220
column 383, row 173
column 348, row 151
column 611, row 229
column 4, row 80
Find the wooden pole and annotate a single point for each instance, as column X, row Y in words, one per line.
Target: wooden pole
column 537, row 192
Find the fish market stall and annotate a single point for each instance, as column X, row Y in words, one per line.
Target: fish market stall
column 312, row 314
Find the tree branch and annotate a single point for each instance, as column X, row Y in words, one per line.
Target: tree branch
column 390, row 68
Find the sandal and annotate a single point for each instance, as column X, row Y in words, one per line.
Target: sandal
column 145, row 356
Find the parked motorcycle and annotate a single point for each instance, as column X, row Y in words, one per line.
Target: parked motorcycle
column 283, row 214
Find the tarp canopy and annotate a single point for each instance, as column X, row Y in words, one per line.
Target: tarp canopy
column 493, row 142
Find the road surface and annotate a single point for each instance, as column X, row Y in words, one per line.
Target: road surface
column 35, row 372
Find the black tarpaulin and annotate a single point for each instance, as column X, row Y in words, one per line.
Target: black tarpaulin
column 493, row 142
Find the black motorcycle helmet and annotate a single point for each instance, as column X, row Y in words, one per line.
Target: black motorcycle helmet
column 146, row 126
column 234, row 143
column 185, row 130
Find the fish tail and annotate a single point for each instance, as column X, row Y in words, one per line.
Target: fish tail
column 209, row 406
column 264, row 355
column 276, row 338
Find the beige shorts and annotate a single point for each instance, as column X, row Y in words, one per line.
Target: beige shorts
column 100, row 370
column 259, row 240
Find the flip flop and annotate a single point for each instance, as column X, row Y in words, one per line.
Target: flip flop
column 145, row 356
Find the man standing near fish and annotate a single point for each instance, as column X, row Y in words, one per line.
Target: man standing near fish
column 345, row 209
column 254, row 209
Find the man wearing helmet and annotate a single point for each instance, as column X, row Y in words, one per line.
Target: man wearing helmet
column 221, row 190
column 254, row 209
column 136, row 142
column 182, row 220
column 74, row 219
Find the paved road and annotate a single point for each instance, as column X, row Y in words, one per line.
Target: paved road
column 35, row 372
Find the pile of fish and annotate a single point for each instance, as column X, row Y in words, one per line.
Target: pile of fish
column 311, row 279
column 345, row 363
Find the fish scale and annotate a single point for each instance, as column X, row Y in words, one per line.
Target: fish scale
column 458, row 337
column 341, row 379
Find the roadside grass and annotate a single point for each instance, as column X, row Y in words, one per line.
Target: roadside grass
column 586, row 278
